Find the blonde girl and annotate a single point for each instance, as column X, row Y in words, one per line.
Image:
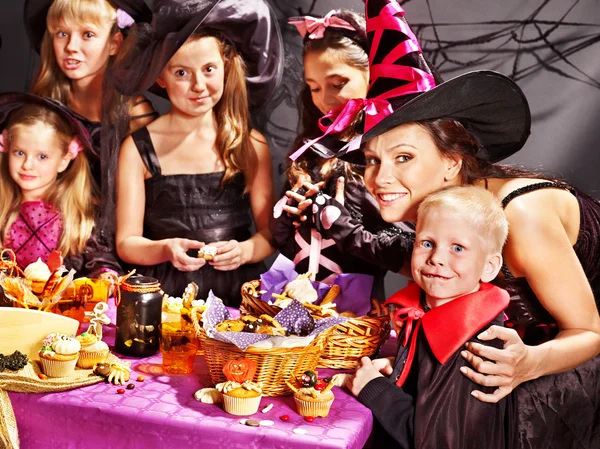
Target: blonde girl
column 45, row 183
column 199, row 175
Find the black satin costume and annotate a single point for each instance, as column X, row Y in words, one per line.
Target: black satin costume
column 558, row 411
column 195, row 207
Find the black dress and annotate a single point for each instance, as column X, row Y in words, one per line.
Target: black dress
column 195, row 207
column 559, row 411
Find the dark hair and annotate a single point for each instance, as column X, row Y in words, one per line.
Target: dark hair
column 453, row 139
column 352, row 48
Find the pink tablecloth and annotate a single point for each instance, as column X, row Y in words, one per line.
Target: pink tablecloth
column 161, row 412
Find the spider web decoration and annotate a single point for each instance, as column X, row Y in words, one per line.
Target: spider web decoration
column 533, row 43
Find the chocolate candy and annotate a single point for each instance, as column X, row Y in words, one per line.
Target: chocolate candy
column 252, row 423
column 120, row 391
column 130, row 386
column 309, row 418
column 284, row 418
column 42, row 376
column 102, row 369
column 141, row 378
column 308, row 379
column 320, row 385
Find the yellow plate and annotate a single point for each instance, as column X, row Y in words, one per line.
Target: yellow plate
column 24, row 329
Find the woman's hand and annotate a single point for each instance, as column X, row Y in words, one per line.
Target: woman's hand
column 506, row 369
column 367, row 371
column 229, row 256
column 176, row 252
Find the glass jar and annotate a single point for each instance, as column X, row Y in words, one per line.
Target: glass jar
column 138, row 317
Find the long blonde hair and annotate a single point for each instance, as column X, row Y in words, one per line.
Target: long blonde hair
column 73, row 194
column 50, row 80
column 232, row 113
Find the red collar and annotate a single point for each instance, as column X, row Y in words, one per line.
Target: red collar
column 450, row 326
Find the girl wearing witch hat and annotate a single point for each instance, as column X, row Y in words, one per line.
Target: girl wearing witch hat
column 77, row 41
column 421, row 136
column 48, row 195
column 199, row 175
column 336, row 70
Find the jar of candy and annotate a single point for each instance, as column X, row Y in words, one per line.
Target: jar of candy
column 138, row 316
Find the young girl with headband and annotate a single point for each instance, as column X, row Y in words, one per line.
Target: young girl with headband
column 336, row 69
column 45, row 184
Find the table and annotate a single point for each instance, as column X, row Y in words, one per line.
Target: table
column 161, row 412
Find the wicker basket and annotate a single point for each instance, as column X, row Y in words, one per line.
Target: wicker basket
column 273, row 366
column 346, row 344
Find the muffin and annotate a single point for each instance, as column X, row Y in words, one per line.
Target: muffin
column 311, row 402
column 241, row 396
column 59, row 354
column 240, row 399
column 92, row 350
column 314, row 397
column 37, row 273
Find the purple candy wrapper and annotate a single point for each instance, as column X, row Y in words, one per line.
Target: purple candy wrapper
column 355, row 294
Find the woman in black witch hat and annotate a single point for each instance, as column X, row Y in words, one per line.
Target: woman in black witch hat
column 199, row 175
column 420, row 137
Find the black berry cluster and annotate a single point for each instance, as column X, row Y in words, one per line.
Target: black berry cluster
column 13, row 362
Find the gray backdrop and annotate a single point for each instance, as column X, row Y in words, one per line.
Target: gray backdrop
column 554, row 57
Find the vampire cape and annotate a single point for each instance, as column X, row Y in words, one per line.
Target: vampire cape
column 427, row 402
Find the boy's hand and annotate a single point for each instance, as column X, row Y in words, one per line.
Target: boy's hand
column 367, row 371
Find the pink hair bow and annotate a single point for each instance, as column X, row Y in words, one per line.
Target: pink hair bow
column 3, row 140
column 315, row 27
column 124, row 20
column 75, row 147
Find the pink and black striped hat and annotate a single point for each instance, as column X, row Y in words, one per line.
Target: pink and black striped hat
column 403, row 88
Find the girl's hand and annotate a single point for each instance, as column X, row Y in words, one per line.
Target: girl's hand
column 367, row 371
column 302, row 199
column 506, row 369
column 176, row 253
column 229, row 256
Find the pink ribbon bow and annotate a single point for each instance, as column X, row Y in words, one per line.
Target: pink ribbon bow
column 343, row 116
column 3, row 140
column 409, row 315
column 75, row 147
column 315, row 27
column 124, row 20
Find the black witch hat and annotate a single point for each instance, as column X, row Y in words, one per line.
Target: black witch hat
column 249, row 24
column 403, row 89
column 11, row 101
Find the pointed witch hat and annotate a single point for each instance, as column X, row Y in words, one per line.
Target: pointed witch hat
column 403, row 88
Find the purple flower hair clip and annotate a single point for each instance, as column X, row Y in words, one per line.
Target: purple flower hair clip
column 124, row 20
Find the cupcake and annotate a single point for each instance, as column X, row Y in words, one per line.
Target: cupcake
column 241, row 396
column 59, row 354
column 38, row 274
column 92, row 350
column 314, row 397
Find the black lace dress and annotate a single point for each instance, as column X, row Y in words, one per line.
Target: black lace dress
column 195, row 207
column 563, row 410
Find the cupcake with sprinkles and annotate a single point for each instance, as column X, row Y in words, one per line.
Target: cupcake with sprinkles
column 59, row 354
